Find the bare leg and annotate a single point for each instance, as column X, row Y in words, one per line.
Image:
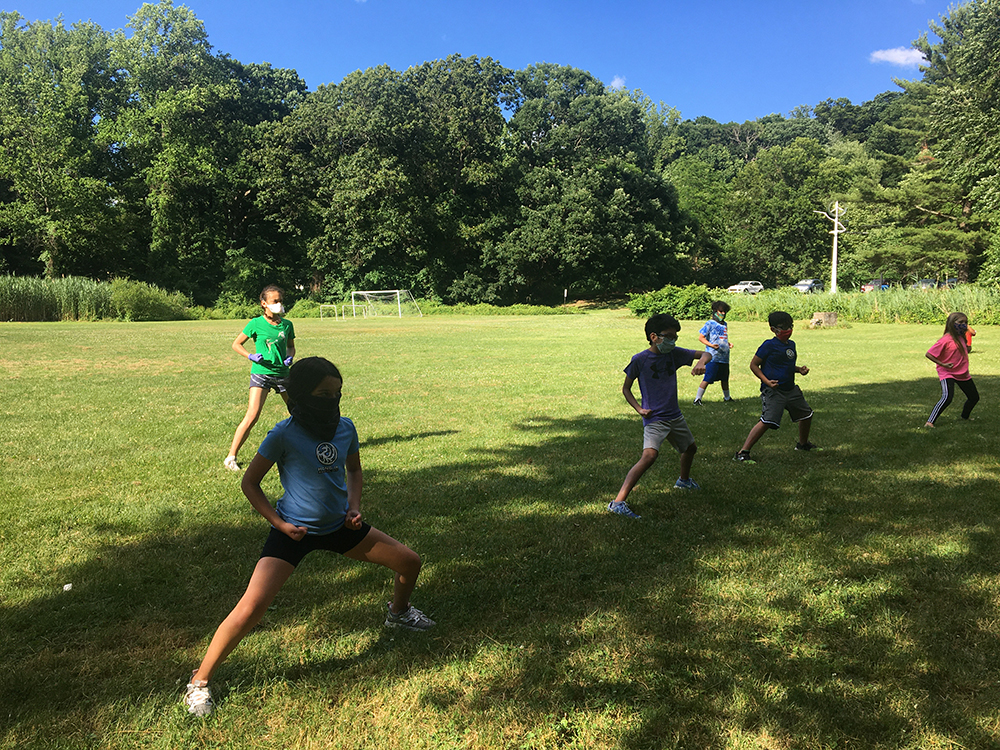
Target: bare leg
column 804, row 426
column 265, row 583
column 380, row 548
column 256, row 402
column 632, row 478
column 687, row 457
column 756, row 433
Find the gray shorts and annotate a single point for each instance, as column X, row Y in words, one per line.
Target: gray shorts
column 267, row 382
column 676, row 432
column 774, row 403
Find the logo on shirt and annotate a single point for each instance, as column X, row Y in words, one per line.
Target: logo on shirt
column 790, row 353
column 326, row 453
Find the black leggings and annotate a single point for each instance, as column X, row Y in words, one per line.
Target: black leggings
column 948, row 393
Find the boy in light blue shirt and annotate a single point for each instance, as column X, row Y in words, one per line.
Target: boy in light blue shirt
column 715, row 336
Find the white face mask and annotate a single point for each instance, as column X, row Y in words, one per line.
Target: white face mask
column 277, row 308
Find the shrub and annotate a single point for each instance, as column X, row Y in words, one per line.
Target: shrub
column 304, row 308
column 692, row 302
column 433, row 307
column 137, row 300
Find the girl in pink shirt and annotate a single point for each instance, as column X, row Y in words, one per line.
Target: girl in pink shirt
column 951, row 355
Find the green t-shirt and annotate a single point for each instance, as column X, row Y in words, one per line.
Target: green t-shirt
column 271, row 341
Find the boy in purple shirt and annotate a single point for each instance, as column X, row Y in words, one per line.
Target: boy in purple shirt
column 656, row 370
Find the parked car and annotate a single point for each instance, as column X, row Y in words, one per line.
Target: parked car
column 746, row 287
column 949, row 283
column 925, row 284
column 809, row 286
column 875, row 285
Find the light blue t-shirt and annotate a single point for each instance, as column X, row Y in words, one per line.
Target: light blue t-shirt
column 312, row 473
column 716, row 333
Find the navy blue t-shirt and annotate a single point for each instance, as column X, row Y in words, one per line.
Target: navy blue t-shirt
column 778, row 362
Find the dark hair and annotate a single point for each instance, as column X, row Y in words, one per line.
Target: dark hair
column 720, row 306
column 951, row 330
column 660, row 321
column 270, row 288
column 780, row 319
column 306, row 374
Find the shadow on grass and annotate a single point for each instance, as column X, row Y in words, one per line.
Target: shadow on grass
column 842, row 598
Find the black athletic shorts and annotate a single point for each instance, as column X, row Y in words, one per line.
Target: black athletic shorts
column 285, row 548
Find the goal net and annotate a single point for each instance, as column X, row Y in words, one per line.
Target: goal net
column 384, row 303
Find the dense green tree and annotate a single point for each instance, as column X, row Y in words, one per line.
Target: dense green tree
column 964, row 117
column 772, row 231
column 56, row 212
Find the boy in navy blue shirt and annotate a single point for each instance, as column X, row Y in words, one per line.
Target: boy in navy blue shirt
column 774, row 365
column 656, row 370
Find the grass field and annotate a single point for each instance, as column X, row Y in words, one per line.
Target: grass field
column 846, row 599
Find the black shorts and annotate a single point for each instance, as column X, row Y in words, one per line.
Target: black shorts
column 283, row 547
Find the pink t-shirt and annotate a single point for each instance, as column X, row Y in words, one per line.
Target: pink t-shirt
column 946, row 350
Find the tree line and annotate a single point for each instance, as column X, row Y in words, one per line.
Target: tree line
column 141, row 153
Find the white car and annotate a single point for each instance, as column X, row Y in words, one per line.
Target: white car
column 809, row 286
column 746, row 287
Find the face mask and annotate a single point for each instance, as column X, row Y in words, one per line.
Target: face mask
column 666, row 346
column 783, row 335
column 277, row 308
column 719, row 316
column 962, row 327
column 318, row 414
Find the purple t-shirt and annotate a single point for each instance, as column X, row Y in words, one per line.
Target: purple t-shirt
column 657, row 376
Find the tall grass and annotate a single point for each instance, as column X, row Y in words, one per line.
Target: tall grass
column 26, row 298
column 980, row 303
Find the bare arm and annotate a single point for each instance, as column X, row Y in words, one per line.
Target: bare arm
column 755, row 364
column 250, row 485
column 699, row 366
column 238, row 343
column 354, row 484
column 627, row 393
column 939, row 363
column 706, row 342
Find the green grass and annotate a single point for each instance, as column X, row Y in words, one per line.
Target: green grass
column 846, row 599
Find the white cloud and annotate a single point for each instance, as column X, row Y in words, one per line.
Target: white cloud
column 905, row 57
column 618, row 82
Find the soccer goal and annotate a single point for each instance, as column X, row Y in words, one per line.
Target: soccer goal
column 384, row 303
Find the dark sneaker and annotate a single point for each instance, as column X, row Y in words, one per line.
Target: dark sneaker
column 697, row 402
column 622, row 509
column 743, row 457
column 728, row 398
column 807, row 447
column 411, row 619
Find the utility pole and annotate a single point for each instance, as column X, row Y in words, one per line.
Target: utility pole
column 837, row 229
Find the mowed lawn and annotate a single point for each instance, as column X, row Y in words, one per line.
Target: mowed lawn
column 842, row 599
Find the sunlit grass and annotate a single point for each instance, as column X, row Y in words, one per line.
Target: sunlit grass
column 844, row 599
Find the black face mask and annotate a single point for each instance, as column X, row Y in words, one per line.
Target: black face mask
column 318, row 414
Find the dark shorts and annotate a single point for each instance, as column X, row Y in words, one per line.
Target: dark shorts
column 283, row 547
column 715, row 371
column 774, row 403
column 267, row 382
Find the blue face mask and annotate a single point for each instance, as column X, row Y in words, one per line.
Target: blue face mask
column 962, row 327
column 666, row 346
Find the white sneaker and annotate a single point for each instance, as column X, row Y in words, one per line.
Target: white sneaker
column 230, row 463
column 198, row 698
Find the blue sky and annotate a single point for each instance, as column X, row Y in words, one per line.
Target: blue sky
column 731, row 60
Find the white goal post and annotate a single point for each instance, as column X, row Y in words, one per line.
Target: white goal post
column 383, row 303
